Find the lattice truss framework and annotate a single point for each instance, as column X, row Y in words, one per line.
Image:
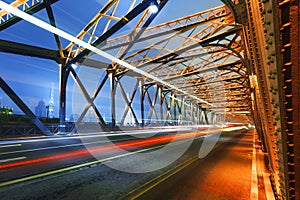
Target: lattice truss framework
column 201, row 54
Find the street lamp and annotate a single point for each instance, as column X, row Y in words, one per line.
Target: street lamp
column 153, row 8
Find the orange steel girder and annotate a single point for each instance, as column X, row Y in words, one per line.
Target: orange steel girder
column 273, row 36
column 212, row 48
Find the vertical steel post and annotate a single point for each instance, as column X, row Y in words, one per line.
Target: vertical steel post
column 112, row 97
column 160, row 97
column 142, row 98
column 64, row 73
column 174, row 108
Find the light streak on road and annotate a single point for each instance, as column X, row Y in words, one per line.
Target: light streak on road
column 130, row 145
column 107, row 148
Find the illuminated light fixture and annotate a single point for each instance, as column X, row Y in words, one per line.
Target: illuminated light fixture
column 33, row 20
column 153, row 8
column 73, row 66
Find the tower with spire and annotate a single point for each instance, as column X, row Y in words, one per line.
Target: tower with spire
column 50, row 106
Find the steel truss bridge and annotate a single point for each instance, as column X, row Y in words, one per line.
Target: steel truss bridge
column 240, row 59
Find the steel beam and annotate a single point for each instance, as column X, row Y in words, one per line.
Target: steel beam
column 28, row 50
column 35, row 7
column 18, row 101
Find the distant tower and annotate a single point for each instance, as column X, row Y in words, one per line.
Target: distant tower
column 50, row 106
column 40, row 109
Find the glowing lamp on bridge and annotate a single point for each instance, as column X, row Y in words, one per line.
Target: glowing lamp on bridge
column 153, row 8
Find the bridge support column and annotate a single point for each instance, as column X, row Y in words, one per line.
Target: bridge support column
column 112, row 97
column 64, row 73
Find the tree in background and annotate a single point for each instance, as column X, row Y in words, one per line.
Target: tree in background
column 6, row 110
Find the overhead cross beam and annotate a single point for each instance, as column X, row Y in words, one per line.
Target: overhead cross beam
column 28, row 50
column 30, row 7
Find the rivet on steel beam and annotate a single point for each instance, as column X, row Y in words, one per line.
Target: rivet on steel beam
column 270, row 42
column 289, row 80
column 288, row 64
column 279, row 152
column 291, row 154
column 286, row 25
column 287, row 45
column 272, row 101
column 278, row 141
column 278, row 129
column 283, row 3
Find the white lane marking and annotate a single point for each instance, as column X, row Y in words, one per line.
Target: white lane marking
column 55, row 147
column 254, row 183
column 12, row 159
column 11, row 145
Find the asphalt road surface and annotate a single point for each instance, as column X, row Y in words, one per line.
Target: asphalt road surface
column 80, row 167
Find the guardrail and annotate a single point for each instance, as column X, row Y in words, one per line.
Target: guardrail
column 7, row 130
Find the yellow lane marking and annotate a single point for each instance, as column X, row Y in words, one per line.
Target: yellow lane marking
column 158, row 179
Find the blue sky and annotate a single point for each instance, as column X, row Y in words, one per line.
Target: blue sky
column 31, row 78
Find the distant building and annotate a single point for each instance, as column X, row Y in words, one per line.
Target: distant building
column 40, row 109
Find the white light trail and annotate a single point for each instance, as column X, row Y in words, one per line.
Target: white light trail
column 79, row 42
